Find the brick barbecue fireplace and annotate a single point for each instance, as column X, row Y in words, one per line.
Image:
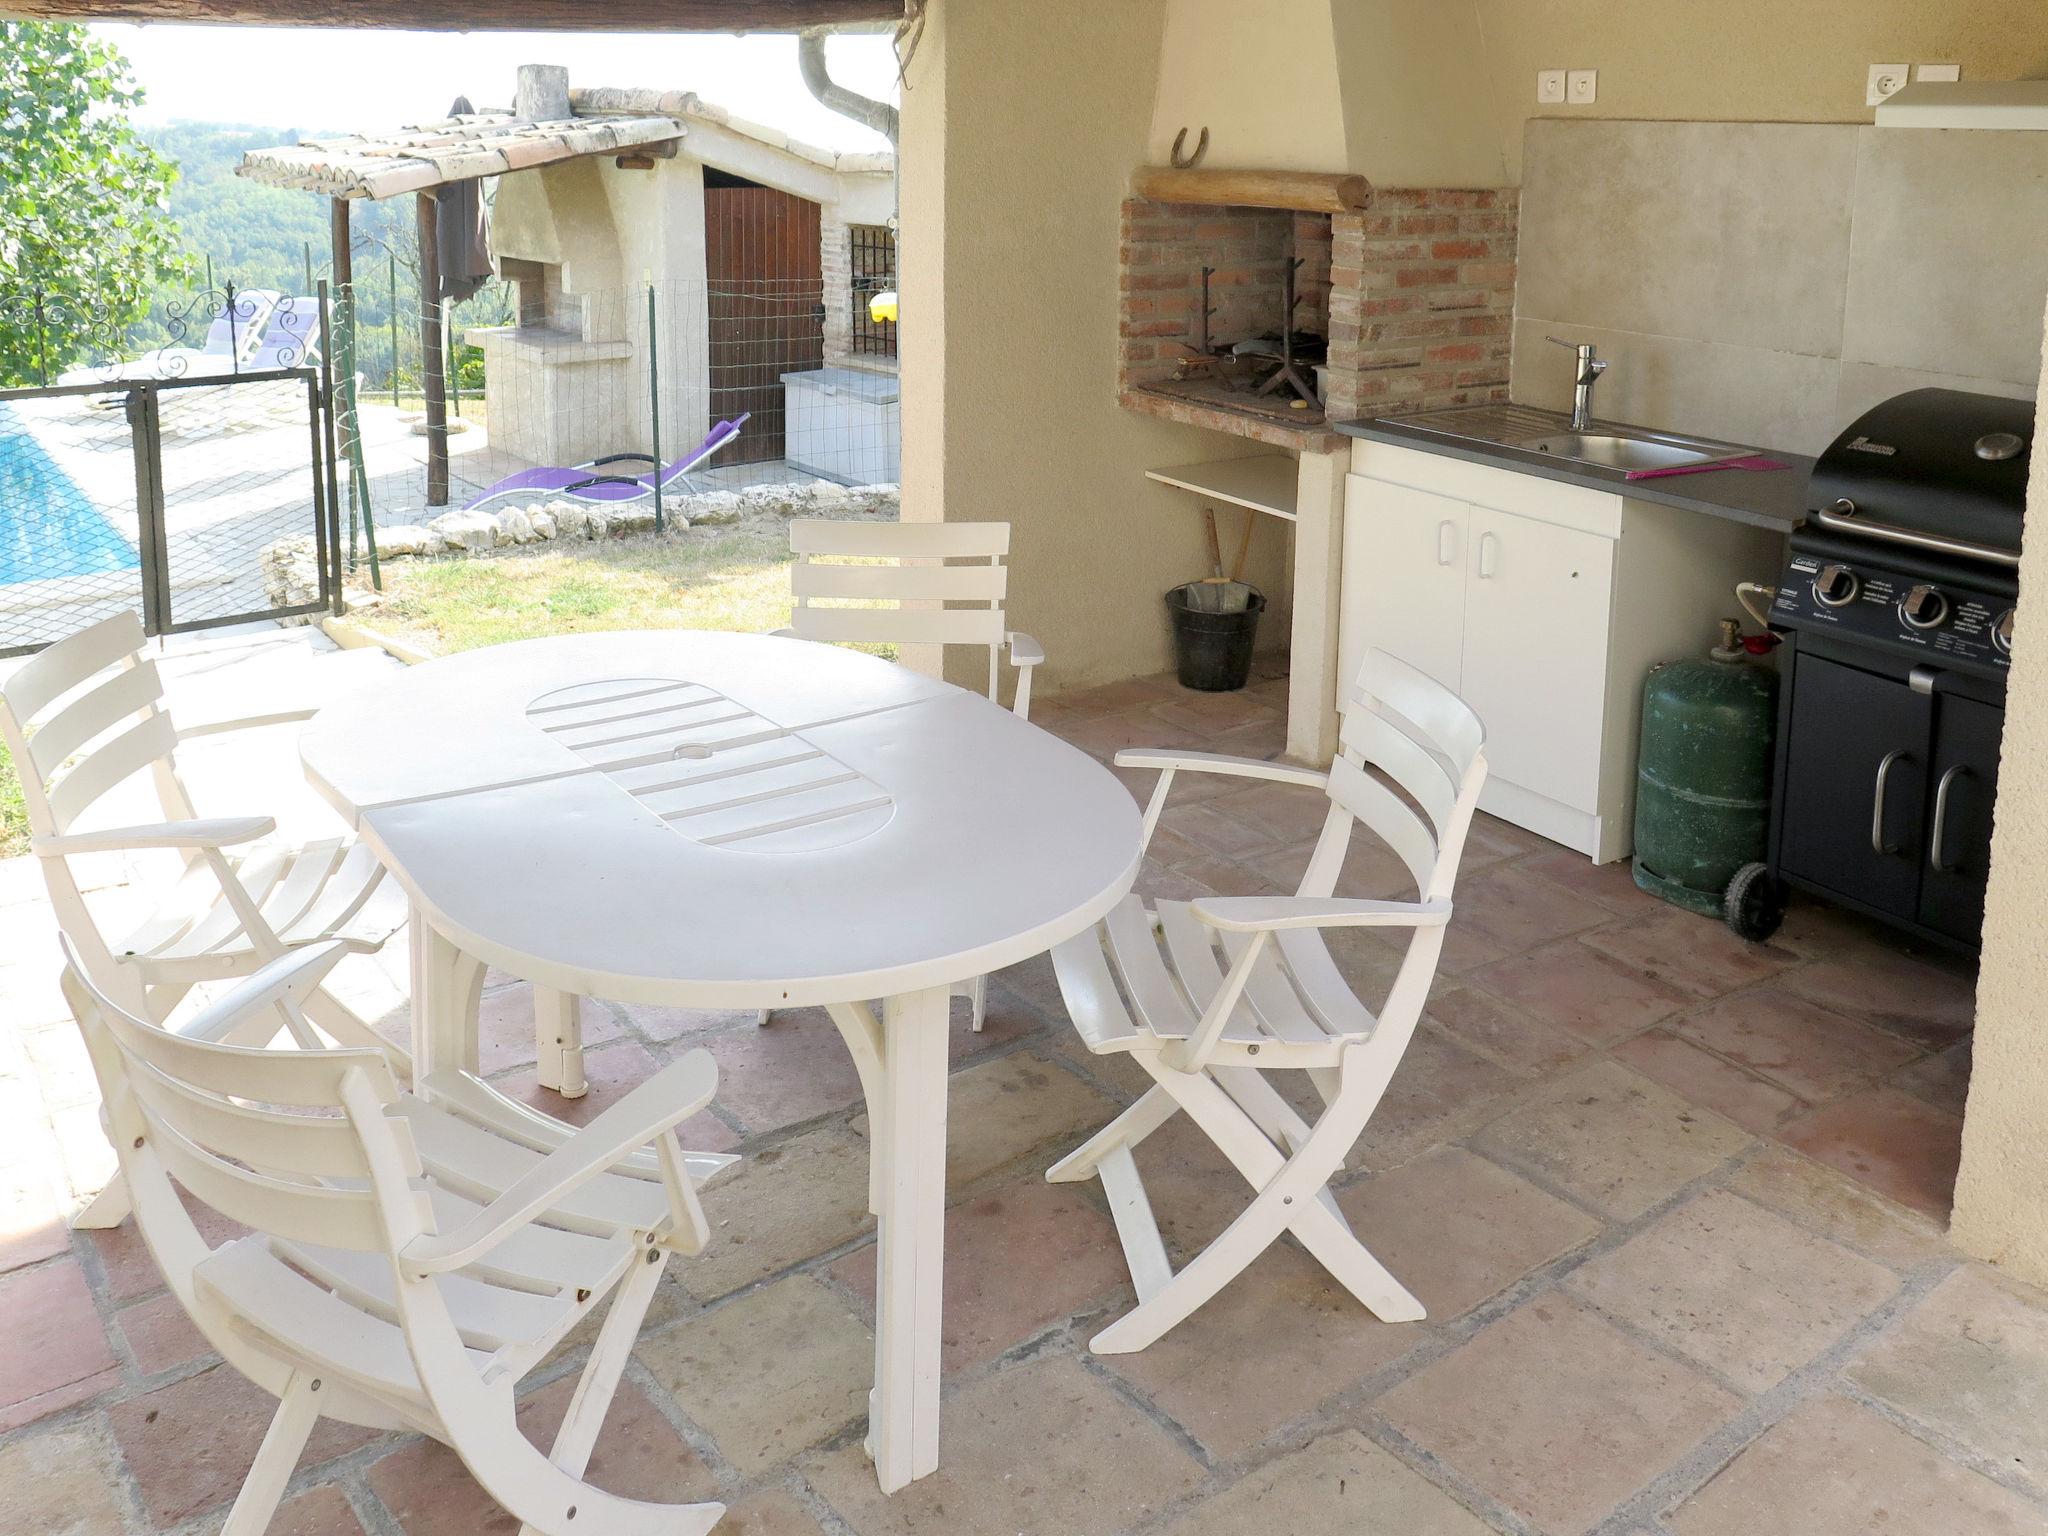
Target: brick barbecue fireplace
column 1410, row 301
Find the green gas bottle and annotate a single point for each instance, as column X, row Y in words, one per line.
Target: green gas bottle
column 1703, row 777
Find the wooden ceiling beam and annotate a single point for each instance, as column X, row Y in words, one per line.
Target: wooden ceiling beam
column 478, row 15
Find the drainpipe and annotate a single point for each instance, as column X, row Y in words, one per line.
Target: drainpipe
column 810, row 59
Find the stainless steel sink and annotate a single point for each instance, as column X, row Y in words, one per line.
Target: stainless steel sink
column 1608, row 446
column 1615, row 450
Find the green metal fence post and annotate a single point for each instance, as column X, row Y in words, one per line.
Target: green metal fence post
column 654, row 403
column 394, row 333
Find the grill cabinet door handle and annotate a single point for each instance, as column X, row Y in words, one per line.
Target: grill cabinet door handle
column 1884, row 773
column 1446, row 544
column 1489, row 562
column 1934, row 854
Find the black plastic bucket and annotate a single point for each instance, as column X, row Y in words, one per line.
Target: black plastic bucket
column 1213, row 651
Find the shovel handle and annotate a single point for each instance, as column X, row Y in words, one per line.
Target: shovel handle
column 1215, row 549
column 1244, row 547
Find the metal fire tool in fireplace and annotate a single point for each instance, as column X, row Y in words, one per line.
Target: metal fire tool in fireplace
column 1290, row 372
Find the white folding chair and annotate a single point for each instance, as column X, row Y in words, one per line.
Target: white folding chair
column 83, row 717
column 410, row 1259
column 1208, row 996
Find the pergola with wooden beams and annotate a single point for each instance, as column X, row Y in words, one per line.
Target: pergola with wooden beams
column 422, row 160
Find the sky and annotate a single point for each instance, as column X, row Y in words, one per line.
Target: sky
column 355, row 79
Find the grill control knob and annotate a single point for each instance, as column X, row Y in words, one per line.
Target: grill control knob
column 2001, row 632
column 1923, row 607
column 1835, row 585
column 1998, row 446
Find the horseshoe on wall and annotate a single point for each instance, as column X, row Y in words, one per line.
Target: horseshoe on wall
column 1184, row 162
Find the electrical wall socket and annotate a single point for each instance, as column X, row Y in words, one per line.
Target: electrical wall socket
column 1941, row 72
column 1581, row 87
column 1550, row 87
column 1884, row 80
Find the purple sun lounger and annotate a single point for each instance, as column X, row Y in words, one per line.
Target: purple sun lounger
column 588, row 482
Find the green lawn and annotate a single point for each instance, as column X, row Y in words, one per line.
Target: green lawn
column 13, row 814
column 734, row 578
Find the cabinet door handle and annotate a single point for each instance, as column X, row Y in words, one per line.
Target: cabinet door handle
column 1446, row 542
column 1934, row 854
column 1489, row 560
column 1884, row 774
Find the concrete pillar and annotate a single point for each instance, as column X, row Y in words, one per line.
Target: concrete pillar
column 2001, row 1210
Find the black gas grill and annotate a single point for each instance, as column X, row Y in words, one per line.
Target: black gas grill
column 1897, row 602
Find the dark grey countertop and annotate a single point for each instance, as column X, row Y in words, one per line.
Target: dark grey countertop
column 1763, row 498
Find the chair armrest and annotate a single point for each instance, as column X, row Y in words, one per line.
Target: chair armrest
column 1217, row 762
column 646, row 1115
column 220, row 832
column 1024, row 651
column 1257, row 914
column 286, row 981
column 247, row 722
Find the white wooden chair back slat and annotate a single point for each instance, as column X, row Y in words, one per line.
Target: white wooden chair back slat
column 900, row 583
column 1426, row 777
column 899, row 626
column 1391, row 818
column 55, row 671
column 307, row 1146
column 300, row 1212
column 1438, row 715
column 903, row 541
column 149, row 741
column 92, row 714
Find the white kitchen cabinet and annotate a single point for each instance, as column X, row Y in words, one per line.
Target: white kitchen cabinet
column 1544, row 605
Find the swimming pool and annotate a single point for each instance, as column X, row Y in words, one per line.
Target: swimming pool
column 49, row 528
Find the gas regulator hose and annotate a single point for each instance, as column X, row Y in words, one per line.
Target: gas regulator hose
column 1746, row 593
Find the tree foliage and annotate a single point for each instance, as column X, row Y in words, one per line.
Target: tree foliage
column 86, row 236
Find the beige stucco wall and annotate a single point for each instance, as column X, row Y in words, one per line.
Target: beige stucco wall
column 2001, row 1210
column 1015, row 157
column 1436, row 92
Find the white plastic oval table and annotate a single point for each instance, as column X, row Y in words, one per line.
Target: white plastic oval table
column 709, row 820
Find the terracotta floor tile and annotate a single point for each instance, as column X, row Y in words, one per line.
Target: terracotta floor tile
column 664, row 1024
column 1456, row 1229
column 160, row 1335
column 1611, row 884
column 1518, row 909
column 1285, row 814
column 1210, row 826
column 638, row 1456
column 32, row 1226
column 783, row 1204
column 806, row 1358
column 1836, row 1206
column 1265, row 1352
column 1103, row 736
column 1942, row 1079
column 1736, row 1288
column 1833, row 1466
column 1707, row 1080
column 62, row 1482
column 1689, row 952
column 1613, row 1139
column 1557, row 1414
column 1194, row 1191
column 1971, row 1361
column 794, row 1068
column 770, row 1513
column 613, row 1071
column 190, row 1444
column 1806, row 1049
column 322, row 1511
column 1201, row 712
column 1342, row 1482
column 1042, row 1448
column 1014, row 1109
column 1017, row 1261
column 1515, row 1039
column 1900, row 1146
column 1933, row 1002
column 1581, row 990
column 54, row 1336
column 1440, row 1092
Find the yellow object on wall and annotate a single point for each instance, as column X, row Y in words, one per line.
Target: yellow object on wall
column 883, row 307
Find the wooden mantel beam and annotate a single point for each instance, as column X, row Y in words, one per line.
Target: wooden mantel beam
column 478, row 15
column 1306, row 191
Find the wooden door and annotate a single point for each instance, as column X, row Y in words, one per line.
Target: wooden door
column 1535, row 663
column 765, row 304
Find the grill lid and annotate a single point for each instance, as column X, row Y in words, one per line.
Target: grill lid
column 1932, row 461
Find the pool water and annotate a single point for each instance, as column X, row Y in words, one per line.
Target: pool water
column 48, row 526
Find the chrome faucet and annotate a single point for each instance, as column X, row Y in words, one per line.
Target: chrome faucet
column 1584, row 377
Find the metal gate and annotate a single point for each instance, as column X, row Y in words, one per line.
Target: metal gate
column 192, row 500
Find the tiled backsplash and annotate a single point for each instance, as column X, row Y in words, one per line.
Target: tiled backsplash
column 1767, row 282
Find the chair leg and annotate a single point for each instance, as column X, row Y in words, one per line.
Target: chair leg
column 108, row 1208
column 764, row 1016
column 608, row 1356
column 263, row 1488
column 558, row 1038
column 976, row 991
column 1154, row 1107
